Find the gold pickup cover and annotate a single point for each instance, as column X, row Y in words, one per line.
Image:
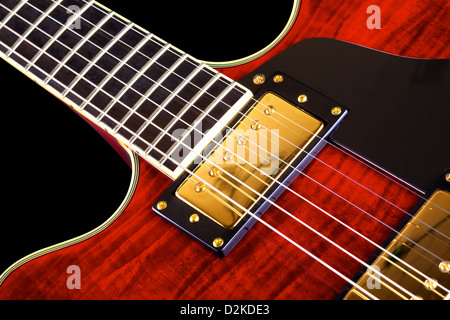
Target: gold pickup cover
column 426, row 230
column 249, row 160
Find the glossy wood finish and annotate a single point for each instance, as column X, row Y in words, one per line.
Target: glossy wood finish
column 140, row 256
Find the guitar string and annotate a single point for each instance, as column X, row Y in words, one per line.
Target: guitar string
column 329, row 267
column 274, row 204
column 238, row 89
column 338, row 196
column 268, row 225
column 303, row 151
column 299, row 125
column 379, row 170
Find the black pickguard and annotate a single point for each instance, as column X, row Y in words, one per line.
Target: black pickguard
column 399, row 108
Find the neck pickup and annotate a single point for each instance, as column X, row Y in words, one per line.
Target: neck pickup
column 241, row 172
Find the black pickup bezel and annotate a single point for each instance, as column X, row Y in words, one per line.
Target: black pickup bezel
column 206, row 230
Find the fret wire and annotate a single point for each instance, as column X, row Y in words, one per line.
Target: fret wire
column 208, row 68
column 135, row 78
column 211, row 133
column 157, row 85
column 217, row 75
column 81, row 97
column 204, row 112
column 33, row 26
column 97, row 57
column 182, row 85
column 191, row 103
column 78, row 46
column 52, row 39
column 175, row 93
column 13, row 12
column 150, row 100
column 113, row 72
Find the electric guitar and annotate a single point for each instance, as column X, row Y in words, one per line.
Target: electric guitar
column 315, row 168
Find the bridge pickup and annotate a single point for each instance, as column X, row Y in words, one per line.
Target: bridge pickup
column 421, row 242
column 246, row 168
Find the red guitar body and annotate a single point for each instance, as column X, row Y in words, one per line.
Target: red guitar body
column 141, row 256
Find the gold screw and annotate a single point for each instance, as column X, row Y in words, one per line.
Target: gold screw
column 302, row 98
column 259, row 79
column 161, row 205
column 270, row 110
column 199, row 187
column 336, row 111
column 218, row 242
column 214, row 172
column 242, row 140
column 447, row 177
column 430, row 284
column 194, row 218
column 444, row 266
column 278, row 78
column 256, row 125
column 227, row 156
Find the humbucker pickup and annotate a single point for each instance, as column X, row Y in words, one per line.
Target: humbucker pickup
column 242, row 172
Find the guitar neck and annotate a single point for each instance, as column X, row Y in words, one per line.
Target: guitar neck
column 148, row 94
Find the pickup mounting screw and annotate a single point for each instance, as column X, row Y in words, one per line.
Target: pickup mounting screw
column 278, row 78
column 447, row 177
column 218, row 242
column 336, row 111
column 302, row 98
column 161, row 205
column 259, row 79
column 194, row 218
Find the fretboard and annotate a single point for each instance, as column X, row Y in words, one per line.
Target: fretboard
column 150, row 95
